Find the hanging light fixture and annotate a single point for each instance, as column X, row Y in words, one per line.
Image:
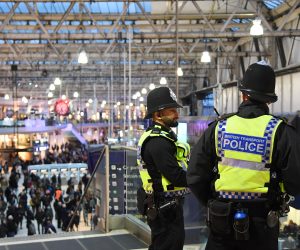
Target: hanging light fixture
column 144, row 91
column 151, row 86
column 6, row 97
column 52, row 87
column 205, row 58
column 75, row 95
column 256, row 28
column 24, row 99
column 138, row 94
column 163, row 81
column 179, row 71
column 57, row 81
column 82, row 58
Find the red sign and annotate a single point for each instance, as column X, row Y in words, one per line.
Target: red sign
column 61, row 107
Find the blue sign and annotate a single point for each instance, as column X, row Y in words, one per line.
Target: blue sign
column 244, row 143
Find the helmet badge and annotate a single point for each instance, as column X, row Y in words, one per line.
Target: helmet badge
column 172, row 94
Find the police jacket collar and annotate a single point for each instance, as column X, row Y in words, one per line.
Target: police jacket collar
column 252, row 109
column 163, row 128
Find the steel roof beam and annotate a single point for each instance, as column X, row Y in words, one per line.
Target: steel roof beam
column 149, row 35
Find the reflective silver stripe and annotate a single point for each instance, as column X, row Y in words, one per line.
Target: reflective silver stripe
column 258, row 166
column 268, row 135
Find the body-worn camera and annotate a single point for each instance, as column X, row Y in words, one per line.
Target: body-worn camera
column 241, row 225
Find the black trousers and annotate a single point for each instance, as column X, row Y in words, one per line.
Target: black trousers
column 167, row 230
column 261, row 238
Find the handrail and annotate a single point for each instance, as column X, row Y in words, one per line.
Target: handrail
column 87, row 186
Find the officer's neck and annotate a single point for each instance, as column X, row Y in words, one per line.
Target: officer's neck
column 161, row 123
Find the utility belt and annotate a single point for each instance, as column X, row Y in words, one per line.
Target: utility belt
column 231, row 218
column 151, row 205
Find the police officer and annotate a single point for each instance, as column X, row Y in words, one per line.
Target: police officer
column 243, row 164
column 162, row 160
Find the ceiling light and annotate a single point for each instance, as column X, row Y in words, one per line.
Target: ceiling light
column 205, row 58
column 36, row 85
column 144, row 91
column 24, row 99
column 152, row 86
column 256, row 29
column 141, row 99
column 75, row 95
column 57, row 81
column 163, row 81
column 50, row 94
column 134, row 97
column 90, row 101
column 6, row 97
column 52, row 86
column 63, row 97
column 82, row 58
column 103, row 102
column 179, row 71
column 138, row 94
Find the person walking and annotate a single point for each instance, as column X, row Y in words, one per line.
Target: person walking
column 245, row 167
column 162, row 164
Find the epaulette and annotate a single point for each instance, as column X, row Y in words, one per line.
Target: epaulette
column 156, row 130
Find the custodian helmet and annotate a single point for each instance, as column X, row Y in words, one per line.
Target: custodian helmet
column 160, row 98
column 259, row 82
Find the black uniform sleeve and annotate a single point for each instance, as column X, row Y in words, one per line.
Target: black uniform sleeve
column 200, row 170
column 287, row 157
column 162, row 153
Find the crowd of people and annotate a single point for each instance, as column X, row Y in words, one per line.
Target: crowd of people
column 44, row 205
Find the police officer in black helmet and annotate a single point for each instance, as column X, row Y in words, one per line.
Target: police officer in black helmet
column 163, row 177
column 245, row 167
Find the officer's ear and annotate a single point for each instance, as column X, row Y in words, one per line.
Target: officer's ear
column 157, row 115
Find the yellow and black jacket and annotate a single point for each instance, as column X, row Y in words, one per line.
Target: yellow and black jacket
column 242, row 171
column 163, row 161
column 244, row 147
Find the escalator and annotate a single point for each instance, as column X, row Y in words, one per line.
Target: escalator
column 73, row 135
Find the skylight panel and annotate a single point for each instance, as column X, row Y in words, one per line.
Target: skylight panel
column 132, row 8
column 6, row 7
column 104, row 8
column 273, row 4
column 22, row 8
column 93, row 7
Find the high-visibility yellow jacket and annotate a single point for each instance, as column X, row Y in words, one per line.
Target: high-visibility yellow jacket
column 182, row 156
column 244, row 147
